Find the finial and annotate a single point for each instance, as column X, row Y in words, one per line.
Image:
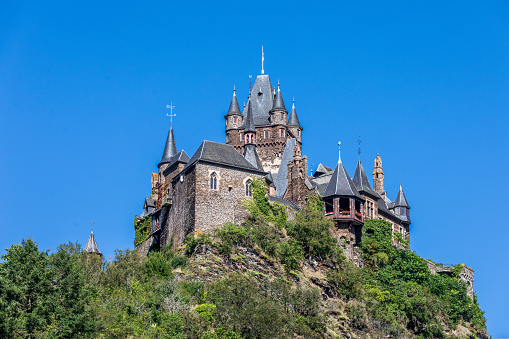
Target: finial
column 262, row 61
column 359, row 142
column 233, row 89
column 278, row 85
column 171, row 115
column 311, row 173
column 293, row 102
column 92, row 224
column 339, row 146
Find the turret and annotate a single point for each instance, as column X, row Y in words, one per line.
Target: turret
column 401, row 207
column 170, row 150
column 294, row 124
column 278, row 113
column 233, row 119
column 378, row 177
column 91, row 246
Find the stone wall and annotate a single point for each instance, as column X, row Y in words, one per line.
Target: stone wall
column 145, row 246
column 224, row 204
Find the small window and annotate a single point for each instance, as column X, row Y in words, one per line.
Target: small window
column 213, row 181
column 298, row 132
column 228, row 137
column 266, row 134
column 248, row 188
column 282, row 133
column 242, row 136
column 282, row 115
column 234, row 120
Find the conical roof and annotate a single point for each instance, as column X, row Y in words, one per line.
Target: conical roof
column 170, row 149
column 293, row 120
column 401, row 199
column 360, row 179
column 92, row 245
column 251, row 155
column 278, row 100
column 234, row 105
column 340, row 184
column 249, row 125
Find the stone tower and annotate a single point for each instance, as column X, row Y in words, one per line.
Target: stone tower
column 233, row 118
column 378, row 177
column 294, row 126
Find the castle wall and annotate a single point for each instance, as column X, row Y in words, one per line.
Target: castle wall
column 178, row 220
column 224, row 204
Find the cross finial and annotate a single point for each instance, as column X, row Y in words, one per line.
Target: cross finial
column 359, row 142
column 262, row 61
column 171, row 115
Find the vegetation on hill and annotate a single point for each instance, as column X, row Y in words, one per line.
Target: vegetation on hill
column 267, row 278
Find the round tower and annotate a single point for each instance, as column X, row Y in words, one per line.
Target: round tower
column 233, row 119
column 294, row 125
column 278, row 114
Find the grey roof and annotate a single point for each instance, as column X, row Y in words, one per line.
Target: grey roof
column 322, row 169
column 382, row 207
column 282, row 174
column 293, row 120
column 249, row 125
column 269, row 179
column 234, row 105
column 150, row 202
column 262, row 98
column 340, row 184
column 360, row 180
column 401, row 199
column 278, row 100
column 285, row 202
column 179, row 157
column 252, row 156
column 220, row 154
column 92, row 245
column 170, row 149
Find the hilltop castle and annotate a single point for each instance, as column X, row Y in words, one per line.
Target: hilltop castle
column 195, row 195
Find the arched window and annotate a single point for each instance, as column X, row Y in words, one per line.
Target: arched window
column 213, row 181
column 248, row 188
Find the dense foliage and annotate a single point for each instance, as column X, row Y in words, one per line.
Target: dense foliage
column 72, row 294
column 142, row 229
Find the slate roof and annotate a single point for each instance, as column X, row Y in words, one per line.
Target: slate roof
column 401, row 199
column 361, row 182
column 170, row 149
column 234, row 106
column 278, row 100
column 220, row 154
column 282, row 174
column 340, row 184
column 285, row 202
column 262, row 100
column 249, row 125
column 293, row 120
column 322, row 169
column 150, row 202
column 269, row 179
column 251, row 156
column 179, row 157
column 92, row 245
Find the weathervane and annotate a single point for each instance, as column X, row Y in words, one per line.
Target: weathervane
column 171, row 115
column 359, row 142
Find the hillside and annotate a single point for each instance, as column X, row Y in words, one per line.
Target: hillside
column 268, row 278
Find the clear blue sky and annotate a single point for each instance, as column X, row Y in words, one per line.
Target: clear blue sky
column 83, row 89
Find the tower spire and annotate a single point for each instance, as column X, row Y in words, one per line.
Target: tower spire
column 293, row 120
column 170, row 148
column 262, row 61
column 339, row 152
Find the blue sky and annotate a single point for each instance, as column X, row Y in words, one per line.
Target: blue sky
column 83, row 89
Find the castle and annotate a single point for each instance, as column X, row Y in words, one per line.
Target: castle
column 195, row 195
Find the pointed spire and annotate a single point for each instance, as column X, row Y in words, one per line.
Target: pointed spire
column 234, row 105
column 401, row 199
column 170, row 149
column 293, row 120
column 91, row 246
column 249, row 125
column 340, row 184
column 278, row 100
column 252, row 157
column 360, row 179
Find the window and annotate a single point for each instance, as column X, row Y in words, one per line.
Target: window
column 298, row 132
column 242, row 136
column 228, row 137
column 248, row 188
column 282, row 133
column 282, row 115
column 213, row 181
column 234, row 120
column 266, row 134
